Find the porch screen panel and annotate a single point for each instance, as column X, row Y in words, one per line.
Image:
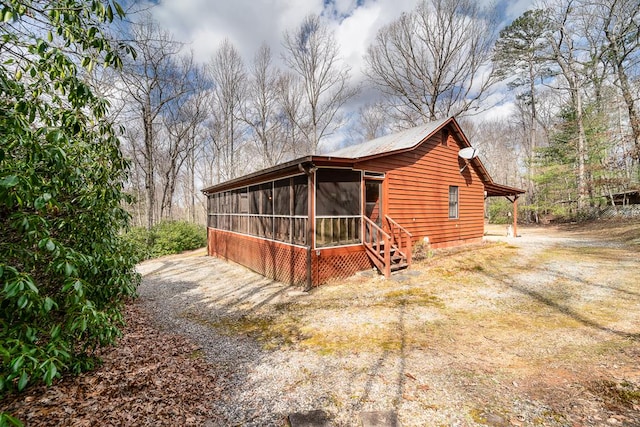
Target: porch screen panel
column 282, row 210
column 273, row 210
column 300, row 209
column 254, row 210
column 337, row 192
column 338, row 207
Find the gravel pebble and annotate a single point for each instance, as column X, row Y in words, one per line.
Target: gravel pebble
column 425, row 386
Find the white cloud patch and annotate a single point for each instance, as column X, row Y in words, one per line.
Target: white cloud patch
column 246, row 23
column 203, row 24
column 356, row 32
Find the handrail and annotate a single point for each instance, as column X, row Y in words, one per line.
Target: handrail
column 373, row 235
column 404, row 236
column 404, row 230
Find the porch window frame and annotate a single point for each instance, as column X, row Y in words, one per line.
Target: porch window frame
column 259, row 218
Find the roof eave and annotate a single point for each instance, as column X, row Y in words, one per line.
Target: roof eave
column 237, row 182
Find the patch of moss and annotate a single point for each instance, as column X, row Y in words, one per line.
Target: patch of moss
column 622, row 393
column 361, row 339
column 271, row 332
column 416, row 295
column 493, row 418
column 196, row 354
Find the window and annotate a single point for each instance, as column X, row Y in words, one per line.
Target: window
column 453, row 202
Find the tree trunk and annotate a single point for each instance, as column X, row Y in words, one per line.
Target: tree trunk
column 150, row 183
column 583, row 187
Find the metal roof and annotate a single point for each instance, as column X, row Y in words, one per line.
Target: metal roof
column 400, row 141
column 397, row 141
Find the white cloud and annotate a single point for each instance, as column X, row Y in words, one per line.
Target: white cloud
column 246, row 23
column 249, row 23
column 356, row 32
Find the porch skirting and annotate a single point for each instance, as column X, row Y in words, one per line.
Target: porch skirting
column 287, row 263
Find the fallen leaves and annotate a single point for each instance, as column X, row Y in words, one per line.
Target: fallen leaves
column 150, row 378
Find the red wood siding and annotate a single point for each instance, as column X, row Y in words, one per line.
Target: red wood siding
column 417, row 192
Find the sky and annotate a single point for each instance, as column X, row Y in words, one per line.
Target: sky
column 203, row 24
column 248, row 23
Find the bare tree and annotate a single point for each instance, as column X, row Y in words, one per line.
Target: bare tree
column 372, row 122
column 180, row 124
column 230, row 86
column 573, row 56
column 263, row 113
column 312, row 53
column 290, row 96
column 620, row 22
column 151, row 84
column 434, row 61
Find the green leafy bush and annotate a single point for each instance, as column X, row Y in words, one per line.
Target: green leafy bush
column 139, row 239
column 171, row 237
column 500, row 211
column 165, row 238
column 65, row 271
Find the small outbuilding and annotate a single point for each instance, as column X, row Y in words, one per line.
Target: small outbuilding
column 321, row 217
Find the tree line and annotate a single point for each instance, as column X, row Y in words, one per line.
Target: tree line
column 97, row 128
column 574, row 68
column 573, row 139
column 190, row 124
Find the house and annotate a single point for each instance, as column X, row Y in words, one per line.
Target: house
column 320, row 217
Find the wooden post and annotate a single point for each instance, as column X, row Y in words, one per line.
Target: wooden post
column 311, row 227
column 515, row 216
column 387, row 257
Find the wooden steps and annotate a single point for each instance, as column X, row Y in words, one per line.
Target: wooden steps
column 386, row 249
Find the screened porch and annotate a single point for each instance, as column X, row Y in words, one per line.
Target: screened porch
column 279, row 209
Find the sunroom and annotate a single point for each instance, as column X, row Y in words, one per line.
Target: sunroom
column 302, row 227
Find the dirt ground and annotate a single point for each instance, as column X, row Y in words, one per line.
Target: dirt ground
column 537, row 330
column 542, row 329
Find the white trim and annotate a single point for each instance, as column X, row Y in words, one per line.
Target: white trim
column 377, row 175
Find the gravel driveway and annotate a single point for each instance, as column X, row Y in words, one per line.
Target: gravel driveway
column 536, row 330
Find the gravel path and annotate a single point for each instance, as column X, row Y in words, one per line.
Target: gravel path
column 425, row 383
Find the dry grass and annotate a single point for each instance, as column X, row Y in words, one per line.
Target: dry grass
column 505, row 319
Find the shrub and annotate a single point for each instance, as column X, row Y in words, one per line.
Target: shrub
column 65, row 270
column 165, row 238
column 138, row 238
column 171, row 237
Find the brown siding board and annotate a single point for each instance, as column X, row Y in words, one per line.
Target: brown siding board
column 417, row 186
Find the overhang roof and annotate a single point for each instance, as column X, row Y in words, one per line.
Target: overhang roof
column 386, row 145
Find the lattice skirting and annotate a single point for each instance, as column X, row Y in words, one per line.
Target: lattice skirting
column 335, row 263
column 287, row 263
column 278, row 261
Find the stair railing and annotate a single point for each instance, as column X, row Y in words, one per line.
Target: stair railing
column 376, row 240
column 400, row 238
